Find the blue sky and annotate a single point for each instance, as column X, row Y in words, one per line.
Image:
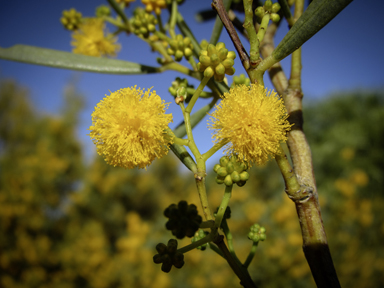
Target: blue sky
column 346, row 55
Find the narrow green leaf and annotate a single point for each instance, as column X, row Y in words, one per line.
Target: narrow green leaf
column 184, row 156
column 67, row 60
column 317, row 15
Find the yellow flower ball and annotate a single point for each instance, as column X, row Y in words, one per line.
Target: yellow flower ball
column 128, row 128
column 253, row 120
column 90, row 40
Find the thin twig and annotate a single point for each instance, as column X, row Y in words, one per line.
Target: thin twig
column 220, row 10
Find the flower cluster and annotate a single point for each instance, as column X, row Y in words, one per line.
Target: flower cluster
column 216, row 61
column 253, row 120
column 230, row 171
column 181, row 83
column 91, row 40
column 154, row 5
column 169, row 256
column 268, row 8
column 143, row 23
column 71, row 19
column 241, row 79
column 128, row 128
column 257, row 233
column 180, row 47
column 183, row 219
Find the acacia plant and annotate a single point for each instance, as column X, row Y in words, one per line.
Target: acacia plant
column 130, row 126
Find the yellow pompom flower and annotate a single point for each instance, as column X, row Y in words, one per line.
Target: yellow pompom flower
column 90, row 39
column 128, row 128
column 253, row 120
column 154, row 5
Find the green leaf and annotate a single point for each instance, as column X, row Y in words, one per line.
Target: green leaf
column 67, row 60
column 317, row 15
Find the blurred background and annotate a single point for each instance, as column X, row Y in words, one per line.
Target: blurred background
column 69, row 220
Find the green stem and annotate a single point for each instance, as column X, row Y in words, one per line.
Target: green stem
column 172, row 20
column 121, row 13
column 251, row 255
column 292, row 186
column 162, row 36
column 218, row 26
column 214, row 149
column 228, row 236
column 223, row 206
column 240, row 272
column 188, row 33
column 252, row 36
column 160, row 22
column 196, row 244
column 117, row 23
column 263, row 27
column 197, row 94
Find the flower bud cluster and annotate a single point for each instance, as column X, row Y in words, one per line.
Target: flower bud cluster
column 180, row 47
column 268, row 8
column 257, row 233
column 103, row 11
column 176, row 89
column 241, row 79
column 71, row 19
column 169, row 256
column 154, row 5
column 200, row 235
column 143, row 23
column 230, row 171
column 183, row 219
column 216, row 61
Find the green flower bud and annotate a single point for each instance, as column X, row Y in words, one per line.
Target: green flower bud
column 216, row 167
column 230, row 167
column 228, row 180
column 244, row 176
column 205, row 60
column 275, row 8
column 220, row 69
column 228, row 63
column 268, row 5
column 208, row 72
column 178, row 55
column 259, row 12
column 224, row 160
column 188, row 52
column 103, row 11
column 275, row 17
column 235, row 176
column 222, row 171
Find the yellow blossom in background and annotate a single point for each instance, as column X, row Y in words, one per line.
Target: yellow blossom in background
column 253, row 120
column 154, row 5
column 90, row 39
column 128, row 128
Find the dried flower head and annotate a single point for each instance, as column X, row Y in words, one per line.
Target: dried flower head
column 90, row 39
column 128, row 128
column 253, row 120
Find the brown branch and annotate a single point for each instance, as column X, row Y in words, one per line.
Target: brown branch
column 240, row 271
column 315, row 245
column 218, row 6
